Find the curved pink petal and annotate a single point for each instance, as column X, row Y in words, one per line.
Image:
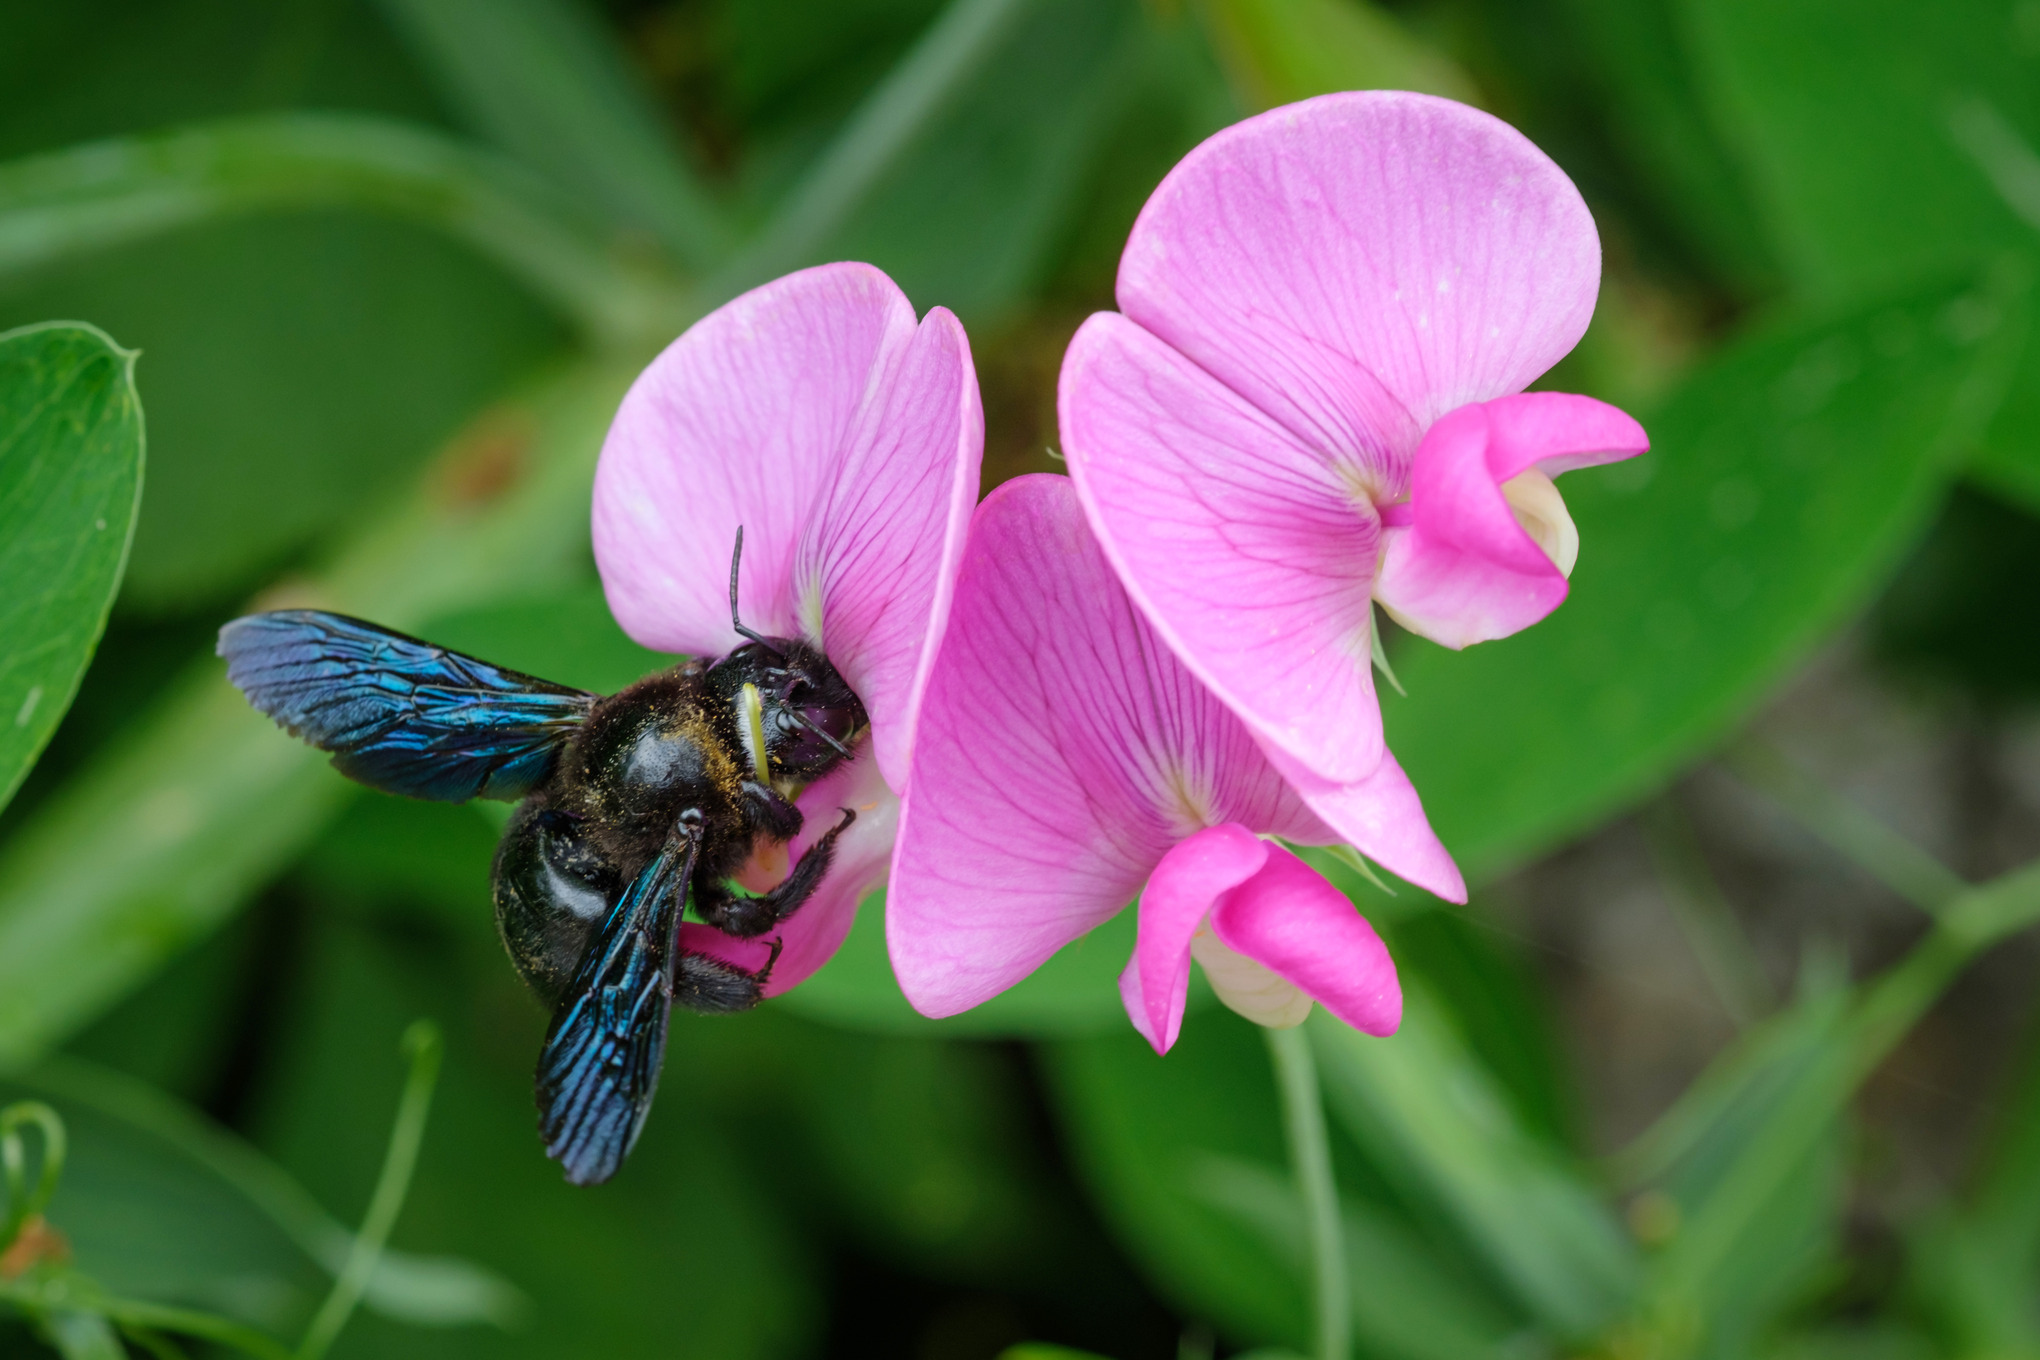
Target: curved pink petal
column 1357, row 265
column 843, row 437
column 1289, row 919
column 1062, row 751
column 1381, row 817
column 1252, row 555
column 1464, row 570
column 1179, row 894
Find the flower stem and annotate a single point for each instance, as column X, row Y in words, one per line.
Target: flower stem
column 1310, row 1156
column 422, row 1046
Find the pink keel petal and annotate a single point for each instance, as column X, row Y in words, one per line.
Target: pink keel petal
column 1464, row 570
column 1382, row 817
column 1179, row 894
column 1251, row 554
column 1361, row 253
column 1288, row 918
column 1062, row 751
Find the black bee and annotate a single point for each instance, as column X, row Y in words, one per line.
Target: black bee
column 635, row 807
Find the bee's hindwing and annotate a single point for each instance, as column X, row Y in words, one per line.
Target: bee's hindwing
column 400, row 714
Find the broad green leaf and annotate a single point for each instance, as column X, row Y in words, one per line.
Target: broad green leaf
column 546, row 80
column 1642, row 55
column 204, row 800
column 1785, row 478
column 70, row 483
column 1280, row 51
column 1886, row 139
column 1432, row 1119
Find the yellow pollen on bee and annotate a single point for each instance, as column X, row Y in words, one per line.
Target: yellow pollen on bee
column 751, row 722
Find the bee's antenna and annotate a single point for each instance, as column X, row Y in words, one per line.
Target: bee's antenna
column 838, row 747
column 736, row 558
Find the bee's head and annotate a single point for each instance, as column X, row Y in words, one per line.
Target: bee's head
column 808, row 713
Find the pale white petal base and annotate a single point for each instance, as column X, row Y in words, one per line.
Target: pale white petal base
column 1248, row 988
column 1538, row 507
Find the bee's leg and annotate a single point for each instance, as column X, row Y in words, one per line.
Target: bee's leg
column 747, row 916
column 770, row 812
column 713, row 987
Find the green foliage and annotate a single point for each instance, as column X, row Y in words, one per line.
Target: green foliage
column 70, row 482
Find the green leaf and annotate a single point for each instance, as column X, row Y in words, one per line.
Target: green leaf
column 1432, row 1118
column 1658, row 115
column 1908, row 142
column 204, row 800
column 64, row 204
column 546, row 81
column 1280, row 51
column 1785, row 480
column 70, row 483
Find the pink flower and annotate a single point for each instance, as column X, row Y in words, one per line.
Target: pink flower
column 1308, row 403
column 844, row 438
column 1065, row 758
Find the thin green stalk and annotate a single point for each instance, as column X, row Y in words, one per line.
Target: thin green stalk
column 23, row 1204
column 1892, row 860
column 1704, row 915
column 1310, row 1156
column 422, row 1047
column 883, row 127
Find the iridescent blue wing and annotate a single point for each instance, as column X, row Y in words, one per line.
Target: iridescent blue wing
column 600, row 1064
column 400, row 714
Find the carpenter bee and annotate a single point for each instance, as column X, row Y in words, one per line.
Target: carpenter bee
column 634, row 807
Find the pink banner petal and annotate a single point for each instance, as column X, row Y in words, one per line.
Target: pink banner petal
column 1062, row 751
column 843, row 437
column 1178, row 895
column 1288, row 918
column 1465, row 570
column 1250, row 554
column 1357, row 265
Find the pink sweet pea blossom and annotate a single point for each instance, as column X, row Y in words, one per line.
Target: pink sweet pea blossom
column 844, row 438
column 1065, row 758
column 1311, row 400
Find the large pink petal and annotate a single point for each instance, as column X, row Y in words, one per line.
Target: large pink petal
column 1252, row 555
column 876, row 568
column 1179, row 894
column 1062, row 751
column 1289, row 919
column 1464, row 570
column 842, row 437
column 1382, row 817
column 1357, row 265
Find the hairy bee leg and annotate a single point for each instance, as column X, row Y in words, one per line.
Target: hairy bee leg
column 748, row 916
column 713, row 987
column 773, row 813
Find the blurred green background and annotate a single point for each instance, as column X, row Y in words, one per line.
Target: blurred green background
column 1726, row 1058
